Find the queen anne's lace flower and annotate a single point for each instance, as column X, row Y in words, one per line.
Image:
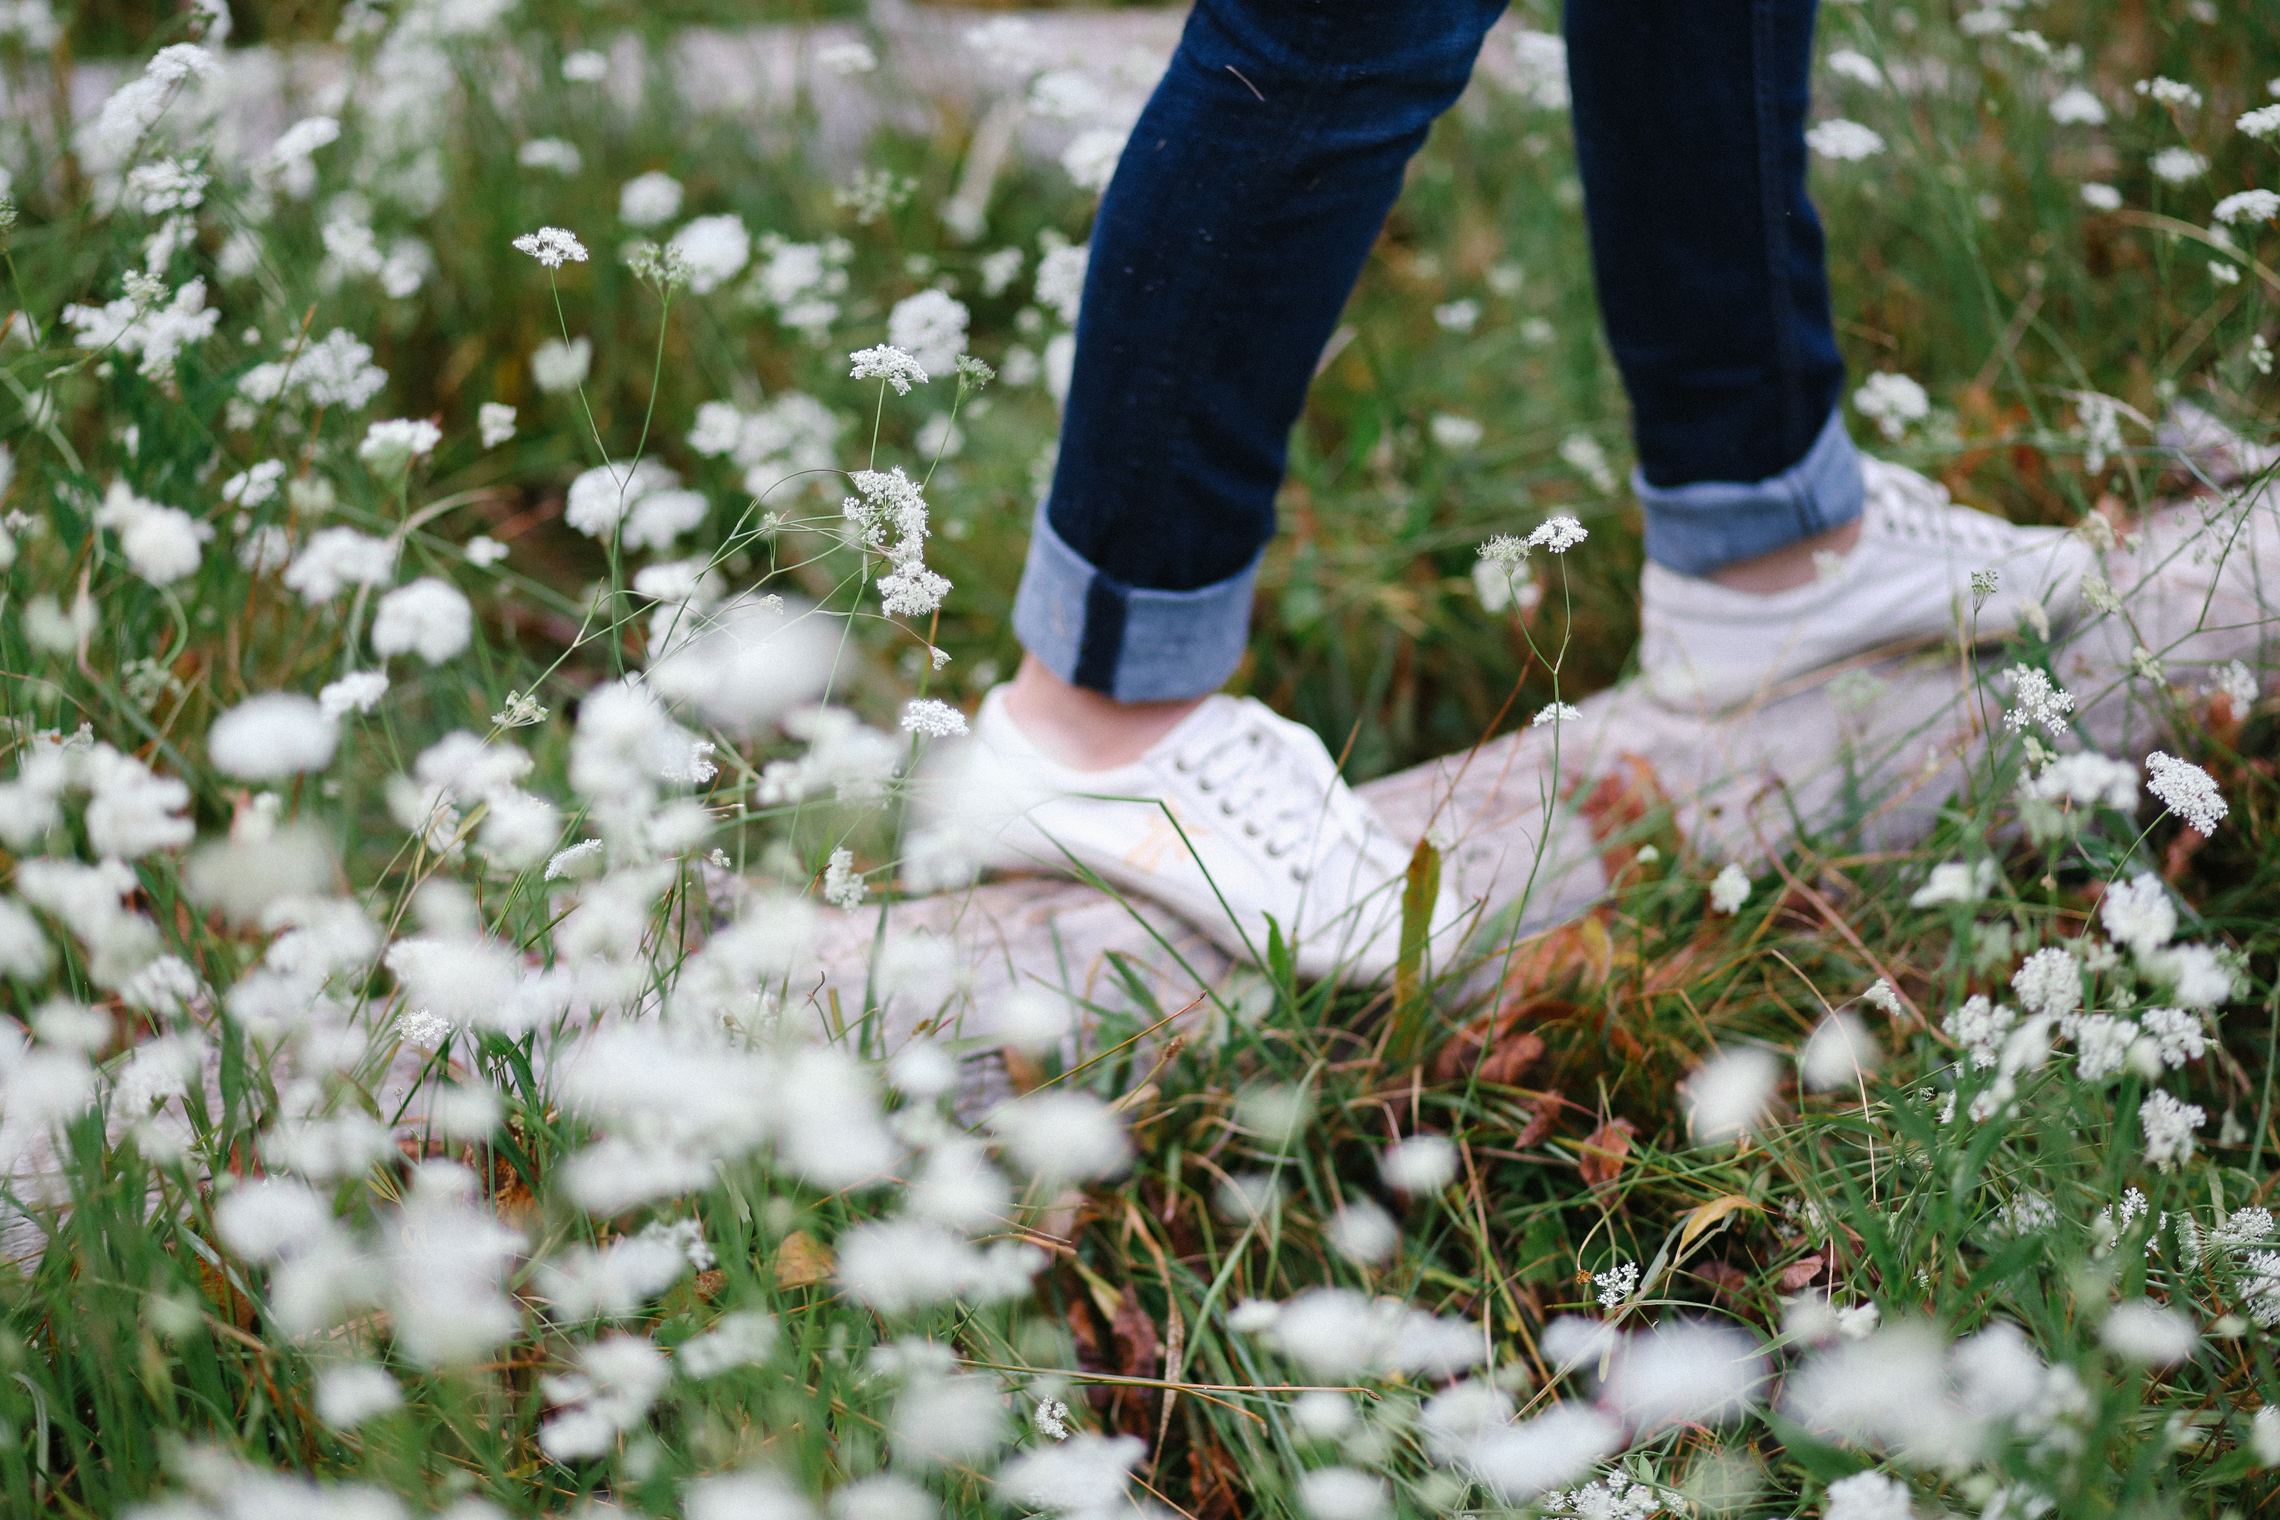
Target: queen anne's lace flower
column 2169, row 1126
column 933, row 719
column 2248, row 206
column 163, row 544
column 2040, row 702
column 1558, row 535
column 1979, row 1027
column 1845, row 141
column 888, row 363
column 552, row 246
column 1893, row 402
column 429, row 617
column 2049, row 983
column 2186, row 790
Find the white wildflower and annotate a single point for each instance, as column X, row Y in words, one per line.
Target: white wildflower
column 890, row 364
column 716, row 248
column 649, row 199
column 557, row 367
column 1419, row 1165
column 1616, row 1284
column 2248, row 206
column 1840, row 1052
column 930, row 718
column 1457, row 316
column 427, row 617
column 2076, row 106
column 2049, row 983
column 930, row 327
column 736, row 1340
column 2176, row 1035
column 1850, row 63
column 554, row 153
column 1845, row 141
column 162, row 544
column 1084, row 1476
column 496, row 420
column 2138, row 913
column 2040, row 703
column 2178, row 166
column 1893, row 402
column 1868, row 1496
column 1727, row 1095
column 2172, row 93
column 348, row 1396
column 1454, row 433
column 1729, row 889
column 1980, row 1028
column 1061, row 1135
column 552, row 246
column 271, row 736
column 358, row 691
column 2147, row 1333
column 2186, row 790
column 1557, row 535
column 336, row 558
column 392, row 444
column 1343, row 1493
column 1060, row 283
column 2169, row 1125
column 618, row 1378
column 843, row 885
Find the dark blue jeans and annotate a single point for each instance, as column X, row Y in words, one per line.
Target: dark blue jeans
column 1251, row 191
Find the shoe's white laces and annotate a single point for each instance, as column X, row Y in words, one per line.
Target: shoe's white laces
column 1912, row 515
column 1255, row 778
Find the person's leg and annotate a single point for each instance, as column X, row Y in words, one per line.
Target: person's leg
column 1690, row 137
column 1226, row 246
column 1775, row 552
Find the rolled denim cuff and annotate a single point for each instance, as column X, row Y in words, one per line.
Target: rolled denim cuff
column 1128, row 642
column 1696, row 528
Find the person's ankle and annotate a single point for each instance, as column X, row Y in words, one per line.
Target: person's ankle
column 1083, row 729
column 1791, row 566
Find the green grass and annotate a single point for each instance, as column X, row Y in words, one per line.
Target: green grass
column 136, row 1342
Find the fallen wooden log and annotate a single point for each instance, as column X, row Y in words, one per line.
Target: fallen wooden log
column 1534, row 819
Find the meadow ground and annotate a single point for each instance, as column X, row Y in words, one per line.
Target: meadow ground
column 374, row 750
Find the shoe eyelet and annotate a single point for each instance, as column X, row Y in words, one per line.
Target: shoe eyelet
column 1227, row 806
column 1250, row 831
column 1298, row 875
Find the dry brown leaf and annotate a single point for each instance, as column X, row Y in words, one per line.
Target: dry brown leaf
column 1622, row 800
column 800, row 1261
column 1600, row 1158
column 1580, row 952
column 1701, row 1219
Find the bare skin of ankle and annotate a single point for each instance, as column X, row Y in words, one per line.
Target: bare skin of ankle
column 1081, row 728
column 1786, row 567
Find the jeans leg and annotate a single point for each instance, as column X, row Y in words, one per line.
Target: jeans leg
column 1690, row 134
column 1250, row 192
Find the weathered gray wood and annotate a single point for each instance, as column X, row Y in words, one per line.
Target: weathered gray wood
column 2198, row 587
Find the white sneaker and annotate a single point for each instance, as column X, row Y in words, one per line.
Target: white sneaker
column 1265, row 827
column 1906, row 583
